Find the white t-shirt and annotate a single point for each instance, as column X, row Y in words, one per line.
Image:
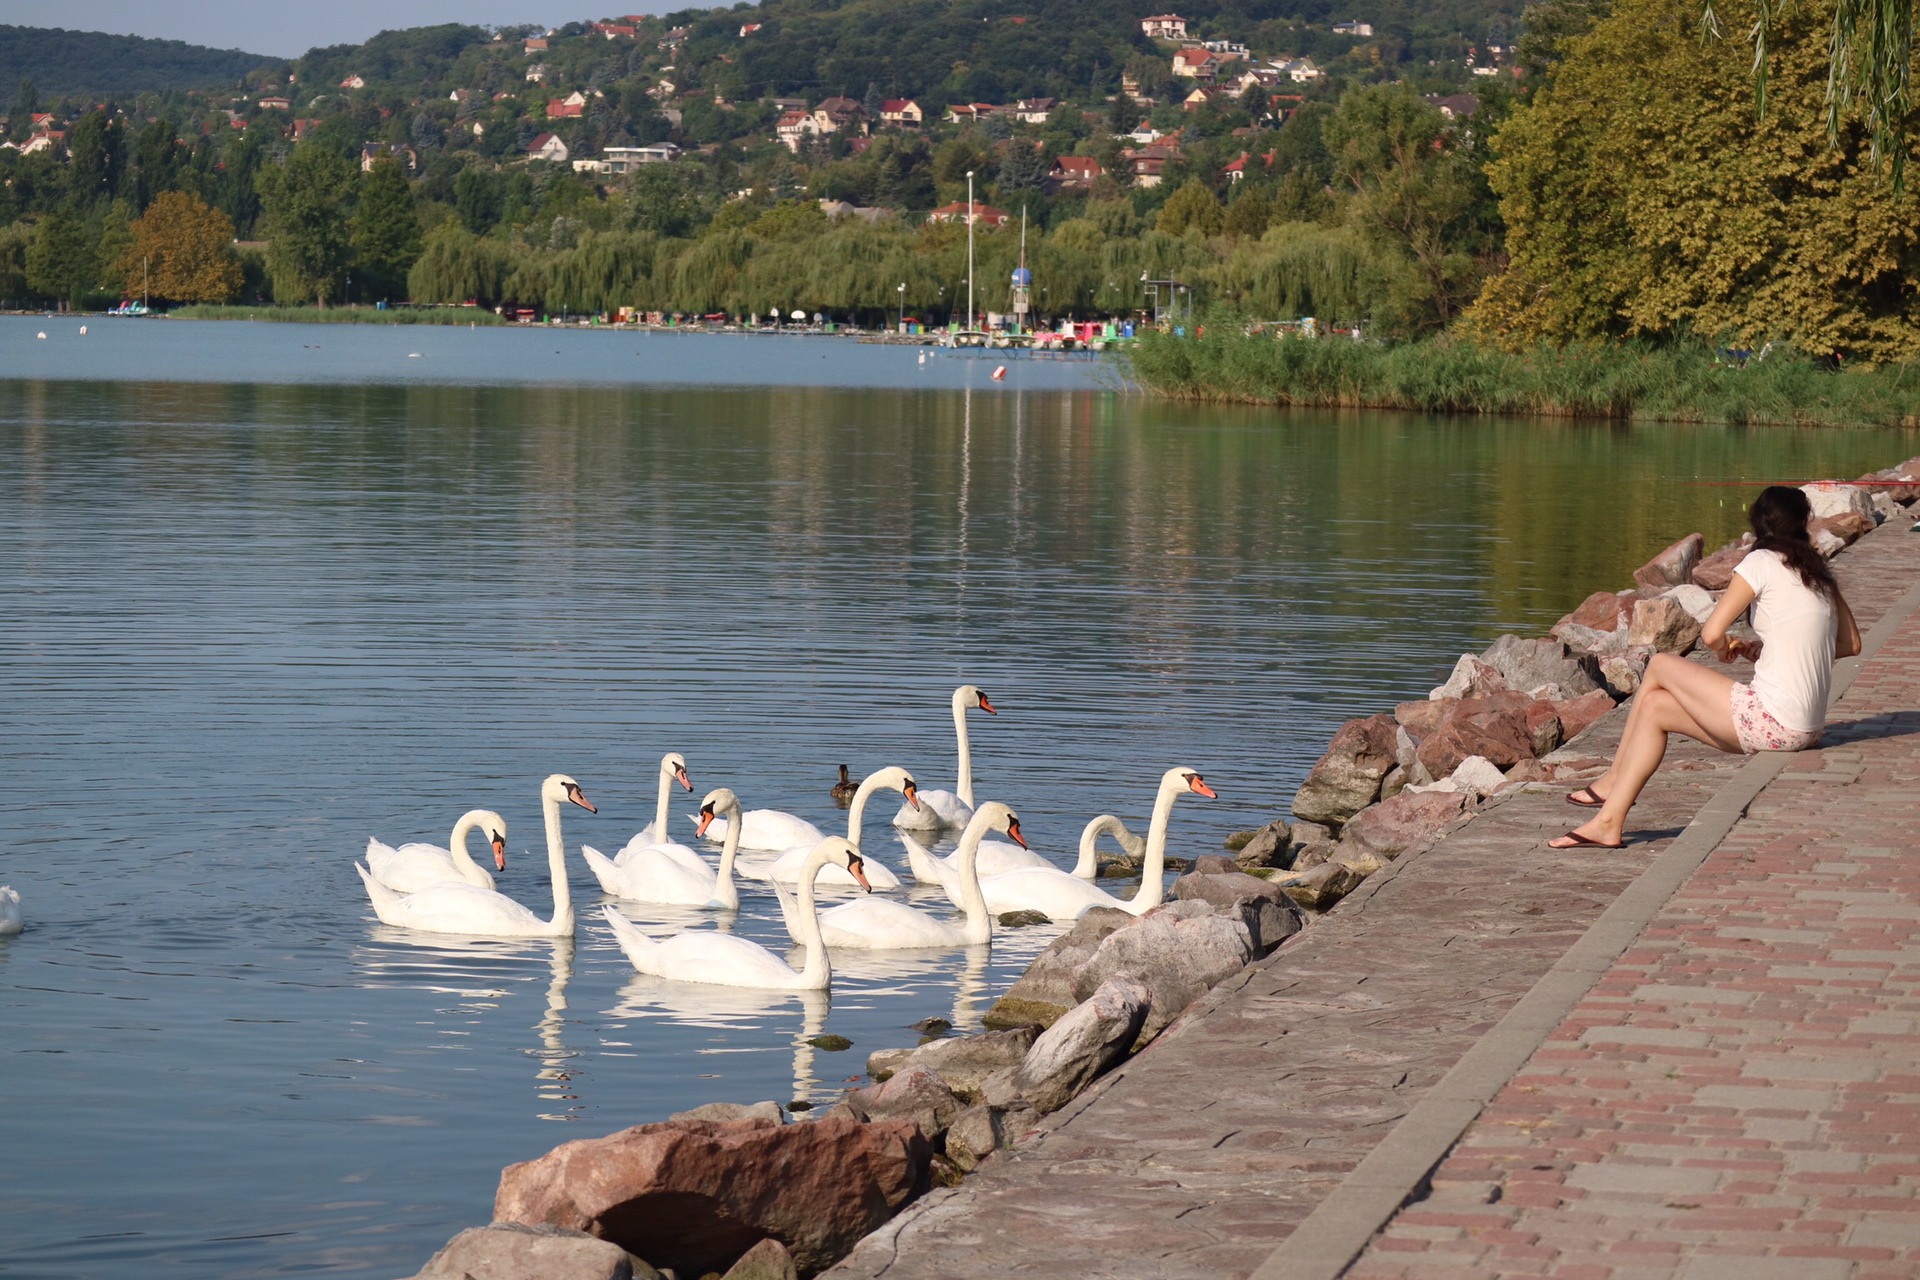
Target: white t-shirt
column 1798, row 627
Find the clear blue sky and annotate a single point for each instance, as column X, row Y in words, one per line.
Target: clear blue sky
column 286, row 28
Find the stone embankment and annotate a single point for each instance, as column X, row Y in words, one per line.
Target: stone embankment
column 1169, row 1095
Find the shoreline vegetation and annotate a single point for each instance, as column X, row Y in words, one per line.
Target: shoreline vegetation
column 340, row 315
column 1227, row 361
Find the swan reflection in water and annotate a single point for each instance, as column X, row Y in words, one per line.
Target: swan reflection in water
column 727, row 1009
column 861, row 978
column 482, row 973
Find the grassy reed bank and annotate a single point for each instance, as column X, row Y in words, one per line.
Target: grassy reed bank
column 342, row 315
column 1631, row 381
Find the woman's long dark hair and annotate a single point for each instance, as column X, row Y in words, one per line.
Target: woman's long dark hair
column 1779, row 518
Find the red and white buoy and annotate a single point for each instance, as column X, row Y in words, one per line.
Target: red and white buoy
column 1000, row 373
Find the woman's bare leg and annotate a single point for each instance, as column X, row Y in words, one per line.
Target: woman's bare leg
column 1678, row 697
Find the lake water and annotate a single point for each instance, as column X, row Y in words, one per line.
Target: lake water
column 270, row 590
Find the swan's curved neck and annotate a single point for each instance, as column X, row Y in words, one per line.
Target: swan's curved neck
column 964, row 787
column 817, row 971
column 557, row 868
column 457, row 843
column 973, row 902
column 1153, row 875
column 857, row 811
column 1088, row 861
column 723, row 890
column 660, row 835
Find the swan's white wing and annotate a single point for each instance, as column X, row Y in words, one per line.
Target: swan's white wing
column 10, row 916
column 883, row 924
column 651, row 877
column 717, row 958
column 786, row 869
column 415, row 866
column 938, row 811
column 641, row 845
column 768, row 829
column 454, row 907
column 1049, row 890
column 997, row 857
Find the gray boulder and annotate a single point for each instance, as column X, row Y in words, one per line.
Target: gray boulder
column 1179, row 951
column 1263, row 907
column 1478, row 776
column 915, row 1094
column 725, row 1111
column 964, row 1062
column 1045, row 990
column 1623, row 671
column 1409, row 821
column 1472, row 678
column 1832, row 499
column 1324, row 885
column 1268, row 847
column 979, row 1131
column 1697, row 601
column 768, row 1260
column 1527, row 665
column 1347, row 778
column 1664, row 625
column 1075, row 1050
column 516, row 1251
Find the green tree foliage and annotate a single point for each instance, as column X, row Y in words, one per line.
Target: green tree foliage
column 94, row 152
column 1643, row 197
column 1193, row 207
column 477, row 198
column 77, row 62
column 60, row 262
column 1248, row 215
column 308, row 212
column 386, row 232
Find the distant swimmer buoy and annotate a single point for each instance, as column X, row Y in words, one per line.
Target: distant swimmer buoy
column 923, row 357
column 42, row 335
column 83, row 331
column 1000, row 373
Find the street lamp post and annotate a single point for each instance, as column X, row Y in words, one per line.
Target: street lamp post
column 902, row 291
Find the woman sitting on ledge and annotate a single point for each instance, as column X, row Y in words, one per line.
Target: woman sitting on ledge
column 1803, row 624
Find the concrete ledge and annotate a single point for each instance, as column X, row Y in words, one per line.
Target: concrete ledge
column 1328, row 1240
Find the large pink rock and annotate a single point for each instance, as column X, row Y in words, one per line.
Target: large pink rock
column 1578, row 714
column 1602, row 611
column 1405, row 823
column 695, row 1195
column 1423, row 717
column 1848, row 526
column 1543, row 726
column 1347, row 778
column 1663, row 625
column 1673, row 566
column 1495, row 728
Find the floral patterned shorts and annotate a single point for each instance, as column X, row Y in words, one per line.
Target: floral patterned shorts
column 1759, row 731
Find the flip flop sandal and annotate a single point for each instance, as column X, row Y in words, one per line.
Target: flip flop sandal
column 1580, row 842
column 1594, row 799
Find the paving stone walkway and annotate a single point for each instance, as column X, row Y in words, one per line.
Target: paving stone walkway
column 1208, row 1149
column 1739, row 1096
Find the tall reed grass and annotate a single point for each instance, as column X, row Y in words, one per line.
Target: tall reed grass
column 1447, row 375
column 341, row 315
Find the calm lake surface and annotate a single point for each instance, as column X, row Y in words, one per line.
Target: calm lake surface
column 270, row 590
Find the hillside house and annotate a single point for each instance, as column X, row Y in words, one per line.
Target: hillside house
column 1353, row 29
column 561, row 109
column 970, row 112
column 402, row 155
column 902, row 113
column 1148, row 164
column 960, row 211
column 353, row 82
column 614, row 30
column 1197, row 64
column 836, row 114
column 276, row 104
column 1206, row 95
column 1225, row 48
column 795, row 127
column 675, row 38
column 1144, row 134
column 535, row 44
column 549, row 148
column 536, row 73
column 748, row 28
column 1164, row 26
column 1033, row 110
column 462, row 96
column 301, row 128
column 1073, row 173
column 1298, row 70
column 1454, row 106
column 623, row 160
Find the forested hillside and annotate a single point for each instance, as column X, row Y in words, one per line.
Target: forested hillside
column 69, row 62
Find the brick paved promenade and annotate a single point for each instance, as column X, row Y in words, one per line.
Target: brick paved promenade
column 1725, row 1060
column 1739, row 1095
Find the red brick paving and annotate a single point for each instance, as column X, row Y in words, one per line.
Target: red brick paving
column 1739, row 1097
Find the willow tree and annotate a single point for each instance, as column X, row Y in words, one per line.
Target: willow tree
column 1642, row 196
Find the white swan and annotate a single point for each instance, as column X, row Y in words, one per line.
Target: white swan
column 726, row 960
column 673, row 768
column 1060, row 896
column 455, row 907
column 882, row 924
column 415, row 866
column 10, row 922
column 653, row 876
column 787, row 867
column 767, row 830
column 950, row 810
column 1088, row 865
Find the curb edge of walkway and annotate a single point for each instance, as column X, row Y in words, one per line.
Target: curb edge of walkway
column 1332, row 1237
